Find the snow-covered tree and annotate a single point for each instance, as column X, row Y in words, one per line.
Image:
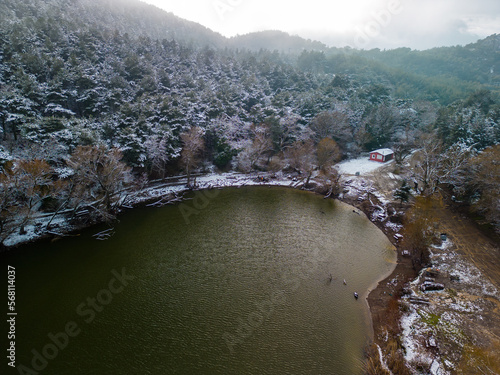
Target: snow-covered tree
column 261, row 146
column 286, row 130
column 157, row 148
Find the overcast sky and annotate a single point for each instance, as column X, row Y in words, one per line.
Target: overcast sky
column 418, row 24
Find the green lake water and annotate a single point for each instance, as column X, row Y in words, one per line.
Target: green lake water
column 235, row 281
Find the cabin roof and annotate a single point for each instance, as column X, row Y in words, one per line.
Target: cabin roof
column 383, row 151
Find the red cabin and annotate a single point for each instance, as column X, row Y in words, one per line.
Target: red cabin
column 382, row 155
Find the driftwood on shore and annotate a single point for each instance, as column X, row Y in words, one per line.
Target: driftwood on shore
column 419, row 301
column 163, row 201
column 62, row 234
column 105, row 234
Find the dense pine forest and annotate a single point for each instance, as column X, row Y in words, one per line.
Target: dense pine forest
column 100, row 96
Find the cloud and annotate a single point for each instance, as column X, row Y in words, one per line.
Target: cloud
column 420, row 24
column 427, row 23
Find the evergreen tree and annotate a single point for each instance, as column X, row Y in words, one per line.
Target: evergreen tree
column 403, row 193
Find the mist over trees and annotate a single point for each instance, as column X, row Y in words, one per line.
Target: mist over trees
column 96, row 95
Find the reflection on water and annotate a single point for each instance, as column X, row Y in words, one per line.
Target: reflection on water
column 242, row 288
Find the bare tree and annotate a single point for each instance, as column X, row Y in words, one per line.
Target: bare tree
column 261, row 145
column 328, row 152
column 402, row 149
column 62, row 192
column 193, row 145
column 33, row 183
column 330, row 183
column 100, row 176
column 426, row 164
column 301, row 158
column 287, row 130
column 455, row 167
column 333, row 124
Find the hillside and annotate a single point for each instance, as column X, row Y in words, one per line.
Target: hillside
column 123, row 16
column 126, row 77
column 459, row 67
column 275, row 40
column 442, row 74
column 476, row 62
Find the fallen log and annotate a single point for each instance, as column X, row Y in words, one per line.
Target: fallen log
column 428, row 286
column 419, row 301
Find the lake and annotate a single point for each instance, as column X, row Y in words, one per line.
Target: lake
column 233, row 281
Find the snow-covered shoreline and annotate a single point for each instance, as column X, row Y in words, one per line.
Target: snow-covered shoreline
column 210, row 181
column 159, row 193
column 170, row 191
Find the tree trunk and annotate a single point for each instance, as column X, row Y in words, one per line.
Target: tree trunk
column 64, row 204
column 308, row 179
column 188, row 172
column 4, row 129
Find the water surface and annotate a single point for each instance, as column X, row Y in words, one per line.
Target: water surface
column 240, row 287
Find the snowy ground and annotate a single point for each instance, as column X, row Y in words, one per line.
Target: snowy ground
column 36, row 229
column 438, row 326
column 362, row 165
column 209, row 182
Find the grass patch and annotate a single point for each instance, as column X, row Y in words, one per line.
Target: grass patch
column 429, row 318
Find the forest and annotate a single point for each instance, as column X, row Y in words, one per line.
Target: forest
column 98, row 97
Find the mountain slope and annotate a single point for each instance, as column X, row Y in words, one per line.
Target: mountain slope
column 475, row 62
column 275, row 40
column 125, row 16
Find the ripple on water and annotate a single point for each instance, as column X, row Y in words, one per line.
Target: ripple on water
column 242, row 289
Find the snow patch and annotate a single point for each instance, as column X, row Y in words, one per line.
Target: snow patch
column 36, row 229
column 466, row 272
column 362, row 165
column 436, row 368
column 382, row 361
column 409, row 343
